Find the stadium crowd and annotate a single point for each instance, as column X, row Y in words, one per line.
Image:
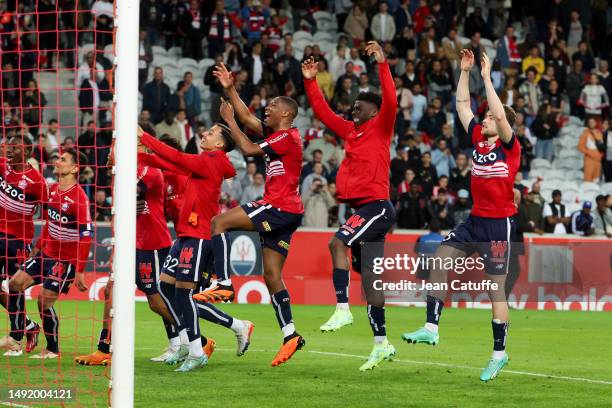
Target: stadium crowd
column 551, row 64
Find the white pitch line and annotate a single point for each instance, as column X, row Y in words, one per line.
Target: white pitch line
column 432, row 363
column 12, row 404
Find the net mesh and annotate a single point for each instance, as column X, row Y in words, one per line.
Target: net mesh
column 57, row 59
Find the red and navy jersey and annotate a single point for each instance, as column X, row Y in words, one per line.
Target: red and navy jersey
column 68, row 231
column 363, row 176
column 283, row 167
column 205, row 172
column 21, row 192
column 175, row 188
column 494, row 168
column 151, row 228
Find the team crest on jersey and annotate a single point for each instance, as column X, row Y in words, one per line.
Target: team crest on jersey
column 22, row 184
column 65, row 206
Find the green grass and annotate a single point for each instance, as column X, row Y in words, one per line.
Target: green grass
column 561, row 344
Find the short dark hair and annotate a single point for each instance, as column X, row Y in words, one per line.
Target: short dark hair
column 170, row 141
column 78, row 157
column 532, row 69
column 289, row 103
column 148, row 128
column 370, row 97
column 52, row 121
column 510, row 114
column 556, row 193
column 226, row 134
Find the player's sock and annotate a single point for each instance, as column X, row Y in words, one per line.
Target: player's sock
column 376, row 316
column 221, row 248
column 16, row 308
column 167, row 293
column 434, row 310
column 104, row 341
column 51, row 328
column 500, row 332
column 341, row 280
column 282, row 308
column 183, row 338
column 208, row 312
column 186, row 307
column 171, row 333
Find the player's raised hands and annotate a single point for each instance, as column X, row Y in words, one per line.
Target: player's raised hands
column 374, row 48
column 485, row 66
column 467, row 59
column 223, row 75
column 226, row 111
column 309, row 68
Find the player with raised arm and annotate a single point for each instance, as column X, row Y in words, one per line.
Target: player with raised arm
column 22, row 191
column 277, row 215
column 363, row 183
column 61, row 253
column 490, row 227
column 191, row 254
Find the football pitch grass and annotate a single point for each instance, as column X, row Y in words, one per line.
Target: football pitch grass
column 557, row 359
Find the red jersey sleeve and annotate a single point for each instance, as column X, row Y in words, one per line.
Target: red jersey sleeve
column 159, row 163
column 85, row 230
column 321, row 109
column 277, row 144
column 388, row 109
column 475, row 131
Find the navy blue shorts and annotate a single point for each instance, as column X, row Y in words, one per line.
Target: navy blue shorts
column 148, row 268
column 369, row 223
column 13, row 253
column 491, row 238
column 189, row 259
column 54, row 275
column 275, row 227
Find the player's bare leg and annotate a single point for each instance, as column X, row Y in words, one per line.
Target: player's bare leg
column 102, row 355
column 234, row 219
column 341, row 278
column 499, row 324
column 428, row 334
column 17, row 284
column 273, row 263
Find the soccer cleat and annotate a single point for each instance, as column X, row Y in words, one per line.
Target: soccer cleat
column 13, row 353
column 32, row 338
column 209, row 347
column 44, row 355
column 191, row 363
column 9, row 343
column 243, row 338
column 493, row 368
column 216, row 294
column 338, row 320
column 422, row 335
column 177, row 356
column 97, row 358
column 380, row 352
column 288, row 349
column 164, row 356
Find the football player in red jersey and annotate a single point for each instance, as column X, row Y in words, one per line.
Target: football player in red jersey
column 363, row 183
column 61, row 253
column 490, row 228
column 277, row 216
column 22, row 190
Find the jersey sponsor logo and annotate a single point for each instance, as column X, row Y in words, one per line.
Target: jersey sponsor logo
column 146, row 270
column 185, row 257
column 480, row 158
column 278, row 138
column 275, row 168
column 54, row 215
column 498, row 251
column 11, row 191
column 243, row 255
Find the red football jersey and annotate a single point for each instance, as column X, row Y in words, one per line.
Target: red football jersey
column 68, row 231
column 206, row 172
column 20, row 194
column 283, row 168
column 494, row 168
column 175, row 188
column 151, row 228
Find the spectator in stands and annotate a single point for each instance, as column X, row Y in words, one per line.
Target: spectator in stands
column 347, row 92
column 145, row 119
column 411, row 208
column 191, row 28
column 534, row 60
column 100, row 207
column 83, row 71
column 427, row 174
column 604, row 77
column 317, row 203
column 292, row 66
column 233, row 56
column 253, row 191
column 399, row 164
column 555, row 97
column 337, row 65
column 327, row 145
column 607, row 161
column 405, row 104
column 591, row 145
column 249, row 174
column 544, row 127
column 356, row 24
column 104, row 13
column 574, row 82
column 409, row 77
column 529, row 217
column 253, row 63
column 582, row 221
column 429, row 44
column 318, row 172
column 439, row 83
column 86, row 142
column 559, row 64
column 219, row 30
column 594, row 97
column 419, row 103
column 431, row 123
column 324, row 79
column 555, row 218
column 186, row 130
column 254, row 20
column 460, row 175
column 476, row 23
column 461, row 209
column 186, row 97
column 583, row 54
column 507, row 51
column 33, row 102
column 359, row 67
column 547, row 76
column 315, row 131
column 404, row 186
column 364, row 83
column 403, row 16
column 155, row 95
column 89, row 99
column 145, row 56
column 193, row 145
column 452, row 46
column 171, row 128
column 602, row 217
column 405, row 45
column 317, row 157
column 527, row 154
column 439, row 209
column 442, row 158
column 51, row 137
column 383, row 25
column 531, row 92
